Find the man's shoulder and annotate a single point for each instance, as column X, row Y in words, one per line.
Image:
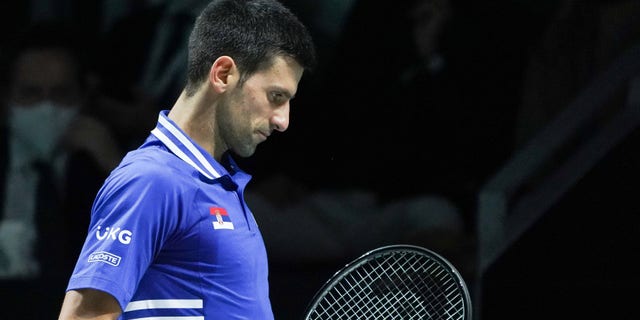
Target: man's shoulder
column 151, row 165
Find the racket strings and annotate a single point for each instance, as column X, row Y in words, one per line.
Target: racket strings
column 394, row 286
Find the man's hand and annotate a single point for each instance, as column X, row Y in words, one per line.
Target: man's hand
column 89, row 134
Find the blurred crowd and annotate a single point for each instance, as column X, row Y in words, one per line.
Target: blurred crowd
column 414, row 105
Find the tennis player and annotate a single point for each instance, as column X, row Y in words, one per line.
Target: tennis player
column 170, row 234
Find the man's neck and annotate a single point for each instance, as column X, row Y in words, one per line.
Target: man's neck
column 195, row 116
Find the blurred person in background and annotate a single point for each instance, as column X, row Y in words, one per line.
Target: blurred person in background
column 53, row 159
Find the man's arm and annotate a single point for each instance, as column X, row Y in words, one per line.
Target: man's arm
column 89, row 304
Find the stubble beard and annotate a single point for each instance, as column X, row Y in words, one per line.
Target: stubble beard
column 234, row 131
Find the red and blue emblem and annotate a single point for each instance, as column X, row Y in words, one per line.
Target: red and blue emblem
column 222, row 221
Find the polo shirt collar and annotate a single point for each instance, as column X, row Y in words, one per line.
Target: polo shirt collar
column 185, row 148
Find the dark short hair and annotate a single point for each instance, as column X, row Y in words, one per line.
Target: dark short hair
column 252, row 32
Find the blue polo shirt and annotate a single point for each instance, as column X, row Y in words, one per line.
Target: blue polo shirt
column 171, row 236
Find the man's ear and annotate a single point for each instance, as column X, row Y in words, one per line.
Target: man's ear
column 223, row 73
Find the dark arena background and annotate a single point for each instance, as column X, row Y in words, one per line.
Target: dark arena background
column 503, row 135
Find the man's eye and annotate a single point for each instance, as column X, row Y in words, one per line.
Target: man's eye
column 277, row 97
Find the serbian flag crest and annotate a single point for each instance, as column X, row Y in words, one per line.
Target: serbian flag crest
column 222, row 221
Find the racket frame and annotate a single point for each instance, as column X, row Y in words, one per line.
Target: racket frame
column 378, row 252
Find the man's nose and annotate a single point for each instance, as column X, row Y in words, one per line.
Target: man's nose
column 280, row 118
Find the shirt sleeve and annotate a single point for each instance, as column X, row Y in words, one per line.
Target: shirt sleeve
column 134, row 214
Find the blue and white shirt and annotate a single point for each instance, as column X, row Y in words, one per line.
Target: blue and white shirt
column 171, row 236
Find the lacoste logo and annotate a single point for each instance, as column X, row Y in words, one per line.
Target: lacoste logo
column 106, row 257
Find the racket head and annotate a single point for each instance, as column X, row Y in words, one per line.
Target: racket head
column 394, row 282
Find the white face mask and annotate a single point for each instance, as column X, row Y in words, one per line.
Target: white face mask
column 38, row 128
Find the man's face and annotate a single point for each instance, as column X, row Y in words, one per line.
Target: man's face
column 428, row 18
column 44, row 97
column 257, row 108
column 45, row 75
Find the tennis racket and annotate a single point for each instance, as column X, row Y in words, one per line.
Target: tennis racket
column 394, row 282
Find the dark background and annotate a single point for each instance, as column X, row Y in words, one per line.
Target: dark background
column 357, row 124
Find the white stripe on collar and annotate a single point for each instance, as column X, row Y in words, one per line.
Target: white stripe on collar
column 176, row 134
